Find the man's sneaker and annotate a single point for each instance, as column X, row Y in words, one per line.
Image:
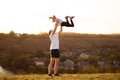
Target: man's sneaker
column 50, row 74
column 57, row 74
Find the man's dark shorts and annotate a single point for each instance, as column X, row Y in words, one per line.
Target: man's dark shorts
column 55, row 53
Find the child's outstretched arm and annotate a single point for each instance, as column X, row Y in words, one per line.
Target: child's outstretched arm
column 60, row 30
column 55, row 28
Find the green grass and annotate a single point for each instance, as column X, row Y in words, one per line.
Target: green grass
column 106, row 76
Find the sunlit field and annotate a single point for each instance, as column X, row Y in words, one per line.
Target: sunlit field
column 105, row 76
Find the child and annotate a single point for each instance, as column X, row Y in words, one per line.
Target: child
column 61, row 22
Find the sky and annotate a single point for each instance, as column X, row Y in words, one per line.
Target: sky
column 31, row 16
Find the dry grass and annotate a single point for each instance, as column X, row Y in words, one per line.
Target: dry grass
column 106, row 76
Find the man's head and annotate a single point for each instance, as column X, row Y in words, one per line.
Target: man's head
column 50, row 32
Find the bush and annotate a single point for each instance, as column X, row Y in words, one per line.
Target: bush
column 32, row 69
column 90, row 69
column 42, row 70
column 21, row 62
column 108, row 68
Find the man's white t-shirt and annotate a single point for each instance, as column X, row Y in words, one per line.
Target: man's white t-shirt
column 54, row 41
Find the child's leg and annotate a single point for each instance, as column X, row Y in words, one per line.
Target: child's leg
column 67, row 24
column 72, row 24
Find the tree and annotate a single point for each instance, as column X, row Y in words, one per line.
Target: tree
column 12, row 34
column 21, row 62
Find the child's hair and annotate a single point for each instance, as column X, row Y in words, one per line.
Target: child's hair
column 52, row 17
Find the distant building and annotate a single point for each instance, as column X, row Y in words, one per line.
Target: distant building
column 103, row 62
column 83, row 64
column 68, row 64
column 39, row 61
column 69, row 53
column 83, row 55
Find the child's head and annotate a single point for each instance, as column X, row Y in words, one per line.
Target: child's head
column 53, row 18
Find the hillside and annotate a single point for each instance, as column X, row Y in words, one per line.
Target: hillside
column 68, row 41
column 80, row 53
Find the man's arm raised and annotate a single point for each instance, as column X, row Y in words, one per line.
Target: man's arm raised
column 55, row 28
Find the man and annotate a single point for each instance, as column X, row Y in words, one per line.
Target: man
column 63, row 23
column 54, row 48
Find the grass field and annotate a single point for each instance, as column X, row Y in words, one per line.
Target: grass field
column 106, row 76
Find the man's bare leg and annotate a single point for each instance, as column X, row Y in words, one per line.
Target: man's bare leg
column 56, row 65
column 52, row 60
